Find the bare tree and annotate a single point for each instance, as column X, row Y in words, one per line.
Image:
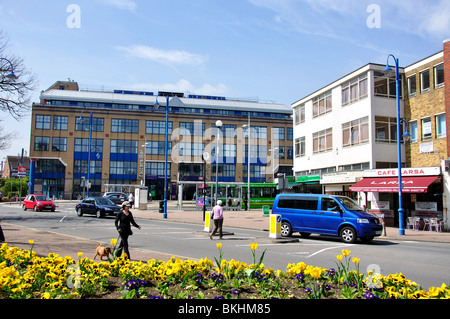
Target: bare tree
column 15, row 93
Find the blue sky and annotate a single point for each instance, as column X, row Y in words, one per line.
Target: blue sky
column 276, row 50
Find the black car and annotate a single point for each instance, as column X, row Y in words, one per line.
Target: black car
column 116, row 198
column 99, row 206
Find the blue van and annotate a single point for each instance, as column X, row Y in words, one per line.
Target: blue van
column 326, row 215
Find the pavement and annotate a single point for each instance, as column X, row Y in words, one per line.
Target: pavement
column 46, row 242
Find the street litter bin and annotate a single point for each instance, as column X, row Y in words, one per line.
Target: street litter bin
column 161, row 206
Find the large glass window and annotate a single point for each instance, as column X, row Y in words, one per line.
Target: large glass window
column 124, row 126
column 426, row 129
column 43, row 122
column 41, row 143
column 439, row 76
column 156, row 169
column 441, row 130
column 157, row 148
column 82, row 145
column 355, row 132
column 385, row 86
column 192, row 128
column 299, row 114
column 98, row 124
column 424, row 81
column 278, row 133
column 124, row 146
column 386, row 129
column 354, row 89
column 323, row 141
column 412, row 85
column 60, row 122
column 157, row 127
column 322, row 104
column 413, row 131
column 59, row 144
column 299, row 147
column 122, row 168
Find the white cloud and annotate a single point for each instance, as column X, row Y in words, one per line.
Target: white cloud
column 164, row 56
column 121, row 4
column 183, row 85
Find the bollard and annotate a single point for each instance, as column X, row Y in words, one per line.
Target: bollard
column 208, row 222
column 275, row 226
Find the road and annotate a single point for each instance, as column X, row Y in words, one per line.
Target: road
column 424, row 262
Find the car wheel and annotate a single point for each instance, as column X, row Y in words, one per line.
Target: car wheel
column 79, row 212
column 348, row 235
column 35, row 208
column 99, row 213
column 286, row 229
column 24, row 207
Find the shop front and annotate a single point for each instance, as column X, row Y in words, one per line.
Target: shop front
column 339, row 183
column 422, row 193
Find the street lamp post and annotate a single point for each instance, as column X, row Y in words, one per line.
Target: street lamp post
column 89, row 151
column 166, row 143
column 218, row 125
column 401, row 227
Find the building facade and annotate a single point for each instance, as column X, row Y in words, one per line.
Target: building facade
column 126, row 134
column 345, row 128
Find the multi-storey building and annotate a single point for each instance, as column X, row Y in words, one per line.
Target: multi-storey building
column 128, row 140
column 346, row 134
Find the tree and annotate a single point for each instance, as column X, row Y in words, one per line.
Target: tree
column 15, row 94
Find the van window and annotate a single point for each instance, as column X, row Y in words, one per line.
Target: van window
column 349, row 203
column 307, row 203
column 330, row 205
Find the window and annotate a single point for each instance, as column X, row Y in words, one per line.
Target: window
column 257, row 153
column 289, row 133
column 59, row 144
column 308, row 203
column 290, row 151
column 41, row 143
column 322, row 104
column 124, row 146
column 60, row 122
column 441, row 130
column 299, row 147
column 386, row 129
column 156, row 169
column 299, row 115
column 43, row 122
column 439, row 76
column 424, row 81
column 82, row 145
column 385, row 86
column 224, row 170
column 196, row 128
column 413, row 131
column 323, row 141
column 278, row 133
column 80, row 167
column 227, row 130
column 157, row 148
column 157, row 127
column 412, row 85
column 83, row 124
column 355, row 132
column 124, row 126
column 258, row 132
column 354, row 89
column 190, row 149
column 122, row 168
column 426, row 129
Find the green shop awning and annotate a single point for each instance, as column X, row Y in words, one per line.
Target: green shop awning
column 306, row 179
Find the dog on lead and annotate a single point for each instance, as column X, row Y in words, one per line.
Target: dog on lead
column 102, row 251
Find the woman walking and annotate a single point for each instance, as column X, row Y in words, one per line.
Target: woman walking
column 217, row 215
column 124, row 220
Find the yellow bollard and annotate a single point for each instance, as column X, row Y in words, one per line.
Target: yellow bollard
column 275, row 226
column 208, row 222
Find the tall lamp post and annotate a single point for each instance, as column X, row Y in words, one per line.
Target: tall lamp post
column 166, row 144
column 80, row 119
column 218, row 125
column 401, row 226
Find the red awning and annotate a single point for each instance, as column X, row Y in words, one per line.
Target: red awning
column 415, row 184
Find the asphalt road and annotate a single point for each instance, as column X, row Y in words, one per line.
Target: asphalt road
column 424, row 262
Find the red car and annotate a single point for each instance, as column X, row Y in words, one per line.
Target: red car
column 38, row 203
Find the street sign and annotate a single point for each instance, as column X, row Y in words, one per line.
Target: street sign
column 21, row 171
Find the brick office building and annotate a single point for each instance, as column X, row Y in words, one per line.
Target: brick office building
column 128, row 140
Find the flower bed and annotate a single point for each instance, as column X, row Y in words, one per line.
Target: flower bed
column 24, row 275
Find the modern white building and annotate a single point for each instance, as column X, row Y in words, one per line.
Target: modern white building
column 347, row 127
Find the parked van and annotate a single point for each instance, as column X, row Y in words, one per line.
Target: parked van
column 326, row 215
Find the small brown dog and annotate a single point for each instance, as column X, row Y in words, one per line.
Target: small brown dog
column 102, row 251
